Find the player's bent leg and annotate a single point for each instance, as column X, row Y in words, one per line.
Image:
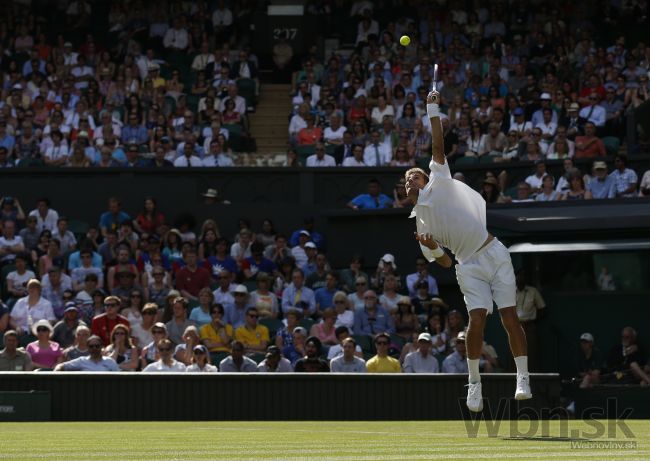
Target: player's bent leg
column 517, row 340
column 474, row 344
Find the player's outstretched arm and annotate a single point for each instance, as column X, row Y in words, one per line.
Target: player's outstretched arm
column 437, row 142
column 426, row 240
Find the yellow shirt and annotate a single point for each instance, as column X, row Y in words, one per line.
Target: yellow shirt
column 207, row 331
column 383, row 365
column 252, row 337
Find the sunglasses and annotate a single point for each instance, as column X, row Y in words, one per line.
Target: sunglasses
column 158, row 332
column 110, row 305
column 164, row 349
column 119, row 333
column 136, row 296
column 157, row 274
column 148, row 313
column 42, row 329
column 199, row 352
column 382, row 343
column 94, row 346
column 253, row 316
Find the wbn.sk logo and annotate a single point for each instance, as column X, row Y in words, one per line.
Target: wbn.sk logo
column 530, row 423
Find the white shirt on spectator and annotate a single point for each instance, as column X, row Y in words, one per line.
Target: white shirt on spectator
column 6, row 243
column 296, row 124
column 351, row 161
column 183, row 161
column 598, row 115
column 159, row 366
column 326, row 161
column 299, row 255
column 534, row 181
column 220, row 160
column 49, row 222
column 18, row 280
column 415, row 363
column 222, row 17
column 240, row 104
column 371, row 152
column 57, row 152
column 82, row 71
column 176, row 38
column 21, row 313
column 331, row 135
column 337, row 350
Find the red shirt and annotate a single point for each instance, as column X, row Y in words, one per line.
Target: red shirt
column 192, row 281
column 595, row 149
column 102, row 326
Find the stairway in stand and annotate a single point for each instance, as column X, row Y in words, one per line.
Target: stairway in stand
column 270, row 123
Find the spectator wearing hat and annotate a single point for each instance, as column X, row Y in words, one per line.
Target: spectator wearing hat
column 590, row 362
column 382, row 362
column 625, row 179
column 251, row 334
column 236, row 312
column 44, row 353
column 201, row 361
column 456, row 362
column 166, row 363
column 407, row 323
column 572, row 121
column 298, row 295
column 421, row 360
column 64, row 330
column 373, row 200
column 13, row 358
column 372, row 319
column 103, row 324
column 237, row 362
column 274, row 362
column 309, row 230
column 311, row 362
column 30, row 309
column 95, row 361
column 538, row 115
column 299, row 251
column 385, row 268
column 602, row 185
column 421, row 273
column 519, row 124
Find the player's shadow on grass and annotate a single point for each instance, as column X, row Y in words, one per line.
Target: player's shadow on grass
column 548, row 438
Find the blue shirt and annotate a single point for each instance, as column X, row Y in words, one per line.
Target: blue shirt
column 623, row 180
column 265, row 265
column 199, row 317
column 74, row 260
column 8, row 142
column 215, row 266
column 111, row 221
column 602, row 189
column 325, row 297
column 367, row 202
column 380, row 322
column 235, row 315
column 134, row 135
column 306, row 296
column 315, row 237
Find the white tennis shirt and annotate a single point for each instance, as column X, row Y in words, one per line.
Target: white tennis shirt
column 452, row 212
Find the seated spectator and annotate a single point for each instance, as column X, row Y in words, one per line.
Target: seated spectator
column 523, row 193
column 377, row 153
column 325, row 331
column 325, row 294
column 576, row 187
column 407, row 323
column 217, row 335
column 593, row 112
column 421, row 360
column 382, row 362
column 141, row 328
column 224, row 293
column 494, row 141
column 201, row 314
column 17, row 279
column 122, row 350
column 278, row 251
column 625, row 178
column 95, row 361
column 183, row 352
column 251, row 334
column 298, row 295
column 344, row 311
column 310, row 134
column 644, row 185
column 421, row 273
column 589, row 145
column 373, row 200
column 357, row 157
column 188, row 157
column 103, row 324
column 64, row 330
column 237, row 362
column 626, row 361
column 372, row 318
column 31, row 308
column 334, row 134
column 80, row 346
column 236, row 312
column 201, row 361
column 590, row 362
column 10, row 243
column 13, row 358
column 456, row 362
column 230, row 114
column 167, row 363
column 535, row 179
column 192, row 278
column 601, row 185
column 548, row 192
column 274, row 362
column 256, row 264
column 263, row 299
column 44, row 353
column 79, row 274
column 320, row 158
column 311, row 362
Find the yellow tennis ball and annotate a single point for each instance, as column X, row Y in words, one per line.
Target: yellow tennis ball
column 405, row 40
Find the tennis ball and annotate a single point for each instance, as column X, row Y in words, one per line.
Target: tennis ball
column 405, row 40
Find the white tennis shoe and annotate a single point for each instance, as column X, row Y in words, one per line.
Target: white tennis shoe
column 523, row 387
column 474, row 397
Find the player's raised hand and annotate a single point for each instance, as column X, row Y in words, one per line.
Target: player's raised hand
column 426, row 240
column 433, row 97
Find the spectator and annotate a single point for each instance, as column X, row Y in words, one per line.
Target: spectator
column 535, row 180
column 421, row 273
column 10, row 210
column 263, row 299
column 376, row 153
column 644, row 185
column 576, row 187
column 372, row 318
column 46, row 217
column 13, row 358
column 284, row 336
column 382, row 362
column 547, row 192
column 201, row 361
column 236, row 312
column 374, row 199
column 320, row 158
column 237, row 362
column 224, row 293
column 141, row 327
column 590, row 362
column 626, row 361
column 64, row 330
column 30, row 309
column 348, row 362
column 256, row 264
column 30, row 234
column 456, row 362
column 357, row 157
column 625, row 178
column 421, row 360
column 167, row 363
column 17, row 279
column 92, row 362
column 311, row 362
column 201, row 314
column 113, row 218
column 325, row 295
column 251, row 334
column 80, row 346
column 325, row 331
column 183, row 351
column 296, row 294
column 217, row 335
column 588, row 145
column 274, row 362
column 10, row 243
column 601, row 185
column 103, row 324
column 530, row 308
column 593, row 112
column 278, row 251
column 407, row 324
column 44, row 353
column 121, row 349
column 192, row 278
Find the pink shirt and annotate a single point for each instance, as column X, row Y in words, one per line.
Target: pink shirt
column 45, row 356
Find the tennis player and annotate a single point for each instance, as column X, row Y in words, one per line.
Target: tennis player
column 450, row 214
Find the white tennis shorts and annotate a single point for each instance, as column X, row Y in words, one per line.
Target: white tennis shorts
column 487, row 277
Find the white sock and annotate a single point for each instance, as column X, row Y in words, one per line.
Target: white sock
column 522, row 364
column 474, row 375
